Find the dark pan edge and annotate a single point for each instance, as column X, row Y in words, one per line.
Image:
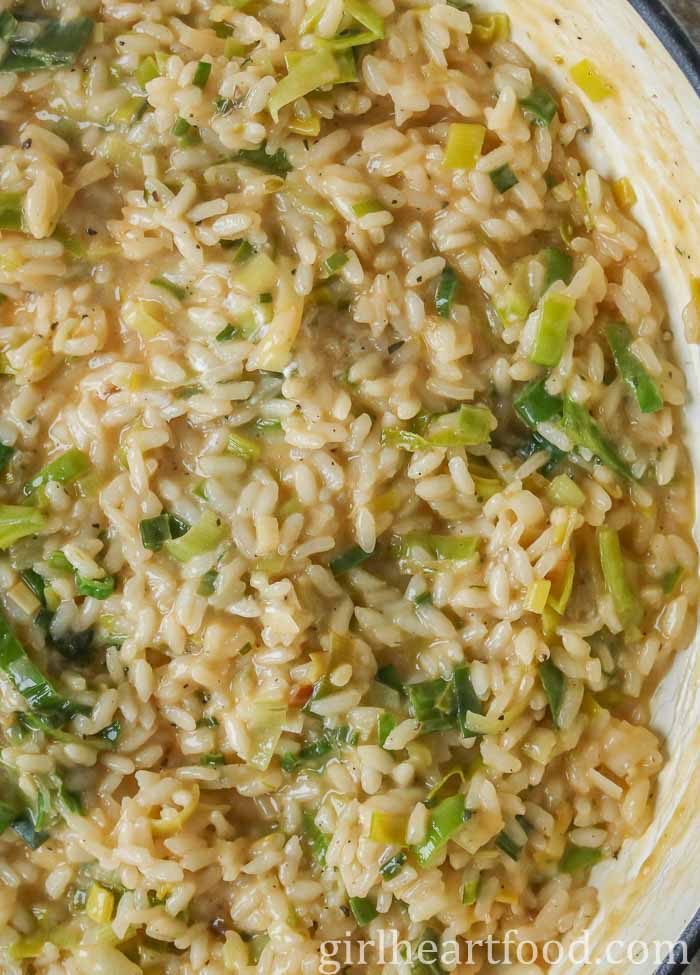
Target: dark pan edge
column 673, row 36
column 691, row 939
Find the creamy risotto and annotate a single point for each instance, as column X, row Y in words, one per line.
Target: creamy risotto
column 345, row 517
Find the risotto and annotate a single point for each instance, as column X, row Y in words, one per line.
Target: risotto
column 346, row 519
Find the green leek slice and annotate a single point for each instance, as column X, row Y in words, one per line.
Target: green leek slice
column 203, row 537
column 311, row 72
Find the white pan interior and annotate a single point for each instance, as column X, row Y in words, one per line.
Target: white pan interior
column 650, row 132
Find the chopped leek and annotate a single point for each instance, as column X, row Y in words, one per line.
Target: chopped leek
column 465, row 427
column 470, row 891
column 432, row 702
column 468, row 426
column 29, row 947
column 669, row 580
column 10, row 208
column 486, row 483
column 234, row 49
column 405, row 439
column 322, row 688
column 224, row 106
column 389, row 828
column 393, row 866
column 441, row 705
column 57, row 45
column 488, row 27
column 127, row 114
column 59, row 562
column 18, row 521
column 558, row 266
column 265, row 730
column 274, row 352
column 143, row 317
column 508, row 845
column 632, row 371
column 71, row 244
column 311, row 72
column 203, row 537
column 364, row 13
column 342, row 45
column 64, row 469
column 184, row 132
column 349, row 560
column 565, row 492
column 363, row 207
column 207, row 584
column 312, row 16
column 582, row 430
column 536, row 444
column 540, row 106
column 40, row 695
column 445, row 787
column 243, row 251
column 627, row 605
column 277, row 163
column 6, row 455
column 537, row 595
column 27, row 830
column 457, row 547
column 8, row 25
column 256, row 946
column 146, row 71
column 243, row 447
column 513, row 304
column 624, row 193
column 36, row 583
column 170, row 825
column 201, row 74
column 466, row 701
column 156, row 531
column 170, row 286
column 97, row 588
column 591, row 82
column 503, row 178
column 564, row 578
column 390, row 676
column 445, row 821
column 553, row 684
column 385, row 725
column 567, row 232
column 309, row 125
column 446, row 292
column 335, row 262
column 228, row 332
column 363, row 909
column 315, row 753
column 212, row 760
column 99, row 906
column 257, row 275
column 464, row 144
column 552, row 328
column 535, row 405
column 111, row 733
column 317, row 841
column 186, row 392
column 578, row 858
